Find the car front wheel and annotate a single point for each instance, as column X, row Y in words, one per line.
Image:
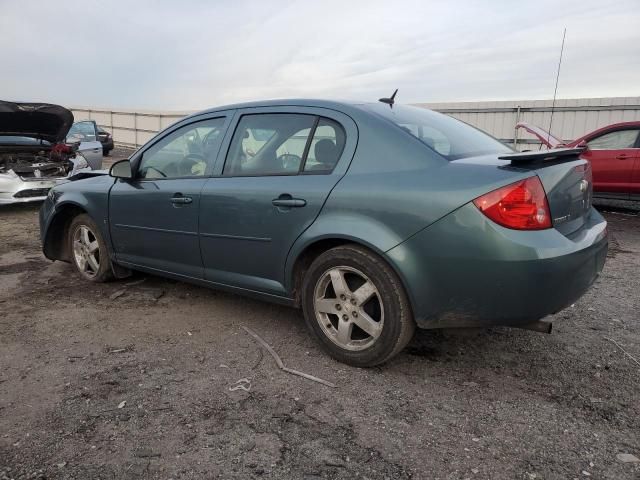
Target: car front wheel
column 355, row 304
column 88, row 250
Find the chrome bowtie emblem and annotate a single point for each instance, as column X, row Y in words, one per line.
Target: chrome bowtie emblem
column 584, row 185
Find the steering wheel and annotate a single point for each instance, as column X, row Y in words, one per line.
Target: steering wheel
column 185, row 167
column 289, row 161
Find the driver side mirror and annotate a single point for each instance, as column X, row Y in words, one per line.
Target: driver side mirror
column 121, row 169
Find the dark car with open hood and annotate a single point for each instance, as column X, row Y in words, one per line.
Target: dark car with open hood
column 33, row 152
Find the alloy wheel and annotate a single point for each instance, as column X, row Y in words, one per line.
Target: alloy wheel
column 348, row 308
column 86, row 251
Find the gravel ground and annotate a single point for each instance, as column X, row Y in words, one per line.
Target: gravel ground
column 132, row 379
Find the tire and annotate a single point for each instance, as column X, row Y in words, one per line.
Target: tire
column 88, row 251
column 372, row 322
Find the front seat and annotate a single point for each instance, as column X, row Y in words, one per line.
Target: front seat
column 326, row 153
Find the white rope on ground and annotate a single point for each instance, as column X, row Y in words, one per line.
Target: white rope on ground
column 623, row 350
column 281, row 365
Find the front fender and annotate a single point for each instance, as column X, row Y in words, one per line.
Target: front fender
column 90, row 196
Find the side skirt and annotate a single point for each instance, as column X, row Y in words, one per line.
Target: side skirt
column 217, row 286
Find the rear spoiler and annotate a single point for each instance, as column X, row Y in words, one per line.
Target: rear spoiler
column 557, row 154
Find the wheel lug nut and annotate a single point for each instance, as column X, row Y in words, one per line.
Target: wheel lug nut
column 353, row 301
column 345, row 317
column 338, row 306
column 355, row 314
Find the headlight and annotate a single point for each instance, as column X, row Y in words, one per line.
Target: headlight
column 53, row 195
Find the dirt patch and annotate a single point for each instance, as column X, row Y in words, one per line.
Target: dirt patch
column 132, row 380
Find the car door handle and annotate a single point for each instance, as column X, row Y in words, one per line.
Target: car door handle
column 287, row 201
column 622, row 156
column 179, row 199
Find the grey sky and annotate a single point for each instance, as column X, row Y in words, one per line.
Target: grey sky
column 191, row 54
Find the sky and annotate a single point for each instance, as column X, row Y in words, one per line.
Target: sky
column 193, row 54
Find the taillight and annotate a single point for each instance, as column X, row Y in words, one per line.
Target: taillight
column 522, row 205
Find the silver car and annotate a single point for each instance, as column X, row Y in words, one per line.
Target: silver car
column 85, row 135
column 40, row 146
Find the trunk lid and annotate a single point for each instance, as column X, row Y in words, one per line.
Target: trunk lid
column 42, row 121
column 566, row 179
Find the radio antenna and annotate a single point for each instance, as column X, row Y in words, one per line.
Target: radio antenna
column 555, row 91
column 390, row 100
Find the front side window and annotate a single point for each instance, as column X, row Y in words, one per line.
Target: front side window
column 187, row 152
column 614, row 140
column 82, row 132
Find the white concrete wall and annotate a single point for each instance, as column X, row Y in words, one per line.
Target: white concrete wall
column 571, row 118
column 129, row 128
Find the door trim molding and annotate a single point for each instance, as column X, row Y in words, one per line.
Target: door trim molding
column 153, row 229
column 236, row 237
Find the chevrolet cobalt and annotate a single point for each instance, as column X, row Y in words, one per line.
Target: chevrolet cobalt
column 373, row 218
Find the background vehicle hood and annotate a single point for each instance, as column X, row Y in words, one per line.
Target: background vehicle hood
column 545, row 137
column 42, row 121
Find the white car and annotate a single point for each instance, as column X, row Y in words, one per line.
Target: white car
column 40, row 146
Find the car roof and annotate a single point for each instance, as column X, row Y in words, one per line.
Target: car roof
column 606, row 128
column 339, row 105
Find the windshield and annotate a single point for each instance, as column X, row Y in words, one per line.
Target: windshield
column 449, row 137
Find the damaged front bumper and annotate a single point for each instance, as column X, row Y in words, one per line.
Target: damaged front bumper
column 16, row 189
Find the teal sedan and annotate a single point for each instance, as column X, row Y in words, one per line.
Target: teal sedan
column 373, row 218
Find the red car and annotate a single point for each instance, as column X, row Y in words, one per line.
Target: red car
column 614, row 154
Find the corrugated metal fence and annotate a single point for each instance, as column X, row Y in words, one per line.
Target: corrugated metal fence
column 571, row 118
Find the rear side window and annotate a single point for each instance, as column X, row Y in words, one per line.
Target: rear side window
column 284, row 144
column 449, row 137
column 614, row 140
column 326, row 147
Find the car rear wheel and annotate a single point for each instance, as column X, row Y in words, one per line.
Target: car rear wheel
column 356, row 306
column 88, row 250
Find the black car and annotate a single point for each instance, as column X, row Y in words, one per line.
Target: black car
column 106, row 139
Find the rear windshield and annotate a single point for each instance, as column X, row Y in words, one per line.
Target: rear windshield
column 449, row 137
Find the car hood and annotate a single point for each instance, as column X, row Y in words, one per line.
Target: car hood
column 42, row 121
column 545, row 137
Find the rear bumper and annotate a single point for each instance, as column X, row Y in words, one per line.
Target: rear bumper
column 466, row 271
